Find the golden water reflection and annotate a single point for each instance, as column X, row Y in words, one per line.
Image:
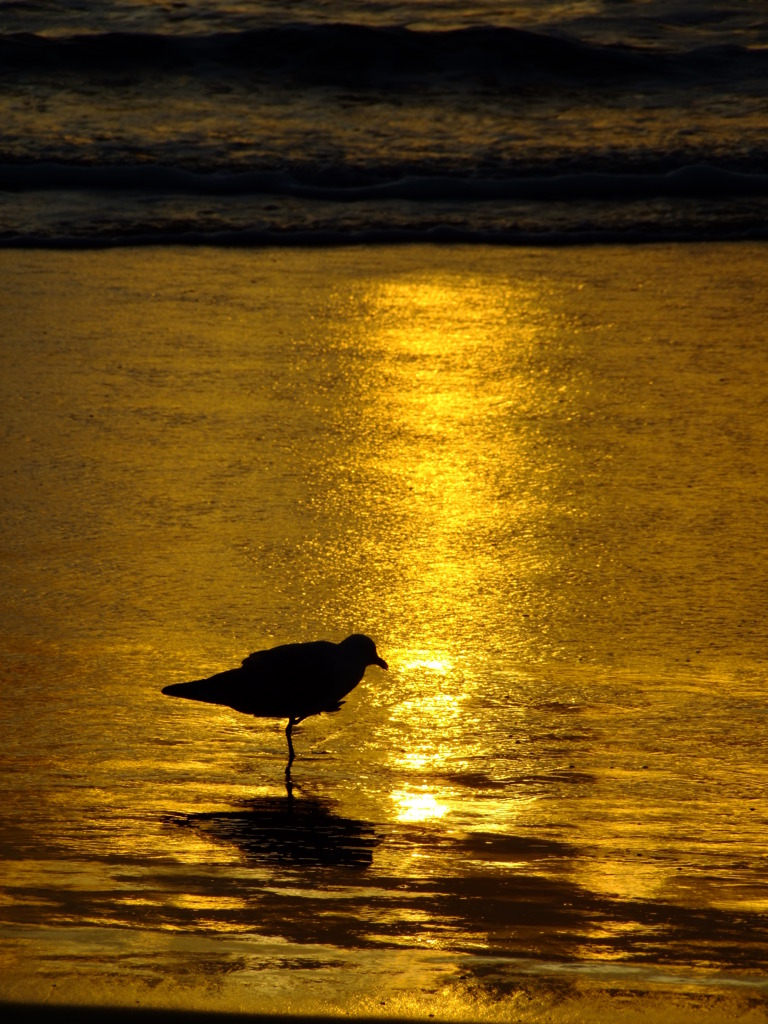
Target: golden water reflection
column 454, row 363
column 413, row 805
column 537, row 482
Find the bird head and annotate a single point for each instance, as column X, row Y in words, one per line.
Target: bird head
column 361, row 646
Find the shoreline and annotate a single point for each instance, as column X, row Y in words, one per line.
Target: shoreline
column 438, row 238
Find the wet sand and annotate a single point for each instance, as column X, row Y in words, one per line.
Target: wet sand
column 538, row 480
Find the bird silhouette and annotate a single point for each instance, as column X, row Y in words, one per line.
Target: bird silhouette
column 291, row 681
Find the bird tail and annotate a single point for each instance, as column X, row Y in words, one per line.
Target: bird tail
column 193, row 690
column 205, row 690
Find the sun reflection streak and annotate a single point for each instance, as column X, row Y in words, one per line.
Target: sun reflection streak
column 414, row 806
column 455, row 356
column 442, row 665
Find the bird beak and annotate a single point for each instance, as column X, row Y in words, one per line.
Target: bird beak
column 380, row 662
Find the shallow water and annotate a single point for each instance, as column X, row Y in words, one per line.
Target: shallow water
column 538, row 482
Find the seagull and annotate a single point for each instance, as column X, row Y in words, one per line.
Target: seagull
column 291, row 681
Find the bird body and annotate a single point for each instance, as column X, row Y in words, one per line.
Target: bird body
column 291, row 681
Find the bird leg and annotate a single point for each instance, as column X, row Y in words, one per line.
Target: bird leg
column 291, row 753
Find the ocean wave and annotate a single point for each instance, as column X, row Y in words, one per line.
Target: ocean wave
column 692, row 181
column 363, row 54
column 639, row 234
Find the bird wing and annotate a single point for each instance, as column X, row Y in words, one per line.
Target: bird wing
column 293, row 680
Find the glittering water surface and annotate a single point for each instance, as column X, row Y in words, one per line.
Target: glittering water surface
column 539, row 483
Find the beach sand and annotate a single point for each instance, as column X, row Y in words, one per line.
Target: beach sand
column 538, row 479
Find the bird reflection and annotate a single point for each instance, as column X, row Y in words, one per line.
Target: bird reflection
column 288, row 830
column 291, row 681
